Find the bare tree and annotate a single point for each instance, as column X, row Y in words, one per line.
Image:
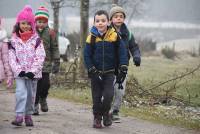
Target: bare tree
column 84, row 14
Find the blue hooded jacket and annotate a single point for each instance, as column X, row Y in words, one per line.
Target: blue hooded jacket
column 102, row 55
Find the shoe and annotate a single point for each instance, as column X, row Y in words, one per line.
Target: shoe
column 107, row 119
column 28, row 121
column 18, row 121
column 43, row 104
column 36, row 109
column 97, row 122
column 115, row 116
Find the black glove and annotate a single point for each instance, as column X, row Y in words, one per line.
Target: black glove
column 30, row 75
column 22, row 74
column 137, row 61
column 121, row 76
column 94, row 72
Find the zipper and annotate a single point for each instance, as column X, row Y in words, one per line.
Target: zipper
column 103, row 57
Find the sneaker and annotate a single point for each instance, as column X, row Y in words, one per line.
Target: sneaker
column 28, row 121
column 43, row 104
column 115, row 116
column 36, row 110
column 97, row 122
column 107, row 120
column 18, row 121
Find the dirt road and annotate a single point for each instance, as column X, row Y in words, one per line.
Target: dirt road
column 69, row 118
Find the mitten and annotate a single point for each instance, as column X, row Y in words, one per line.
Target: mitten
column 94, row 72
column 22, row 74
column 30, row 75
column 137, row 61
column 9, row 83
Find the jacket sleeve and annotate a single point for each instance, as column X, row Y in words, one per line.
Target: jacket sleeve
column 133, row 47
column 88, row 56
column 122, row 53
column 38, row 59
column 55, row 54
column 13, row 61
column 5, row 59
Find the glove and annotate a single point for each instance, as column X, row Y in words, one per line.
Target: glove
column 30, row 75
column 9, row 83
column 121, row 76
column 22, row 74
column 137, row 61
column 56, row 66
column 94, row 72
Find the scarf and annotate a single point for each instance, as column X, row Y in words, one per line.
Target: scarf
column 26, row 35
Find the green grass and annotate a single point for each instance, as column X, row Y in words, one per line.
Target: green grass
column 152, row 71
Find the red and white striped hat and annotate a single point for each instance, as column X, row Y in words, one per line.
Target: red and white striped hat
column 42, row 13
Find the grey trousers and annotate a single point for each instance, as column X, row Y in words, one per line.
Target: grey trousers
column 25, row 96
column 118, row 95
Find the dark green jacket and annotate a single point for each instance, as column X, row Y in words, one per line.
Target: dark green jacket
column 52, row 60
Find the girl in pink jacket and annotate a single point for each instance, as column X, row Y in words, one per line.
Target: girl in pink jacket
column 26, row 57
column 5, row 70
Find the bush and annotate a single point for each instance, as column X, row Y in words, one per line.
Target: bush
column 146, row 45
column 169, row 52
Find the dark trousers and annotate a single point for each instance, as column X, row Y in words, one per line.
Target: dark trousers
column 102, row 94
column 43, row 86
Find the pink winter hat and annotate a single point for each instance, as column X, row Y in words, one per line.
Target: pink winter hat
column 26, row 14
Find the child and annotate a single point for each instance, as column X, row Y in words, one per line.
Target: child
column 5, row 70
column 26, row 55
column 100, row 60
column 117, row 18
column 49, row 38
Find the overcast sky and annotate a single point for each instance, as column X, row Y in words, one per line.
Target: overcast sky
column 157, row 10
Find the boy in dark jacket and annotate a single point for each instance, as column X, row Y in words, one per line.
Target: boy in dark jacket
column 49, row 38
column 100, row 60
column 117, row 18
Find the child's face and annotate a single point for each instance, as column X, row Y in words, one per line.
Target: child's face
column 40, row 24
column 101, row 23
column 25, row 26
column 118, row 19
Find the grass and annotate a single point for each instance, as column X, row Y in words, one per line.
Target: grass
column 154, row 69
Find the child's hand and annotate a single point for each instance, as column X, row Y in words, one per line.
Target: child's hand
column 9, row 83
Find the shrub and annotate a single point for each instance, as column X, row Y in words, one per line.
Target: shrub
column 169, row 52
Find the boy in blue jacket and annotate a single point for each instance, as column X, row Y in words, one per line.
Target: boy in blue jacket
column 100, row 58
column 117, row 18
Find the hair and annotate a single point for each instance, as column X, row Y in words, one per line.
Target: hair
column 102, row 12
column 16, row 29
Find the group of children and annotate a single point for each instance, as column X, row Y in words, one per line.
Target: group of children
column 28, row 58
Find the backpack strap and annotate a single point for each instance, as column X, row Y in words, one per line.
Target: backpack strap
column 129, row 35
column 38, row 41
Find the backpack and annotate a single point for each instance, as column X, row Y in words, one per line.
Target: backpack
column 93, row 40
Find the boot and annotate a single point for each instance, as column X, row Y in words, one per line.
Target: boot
column 36, row 109
column 43, row 104
column 97, row 122
column 107, row 119
column 18, row 121
column 115, row 115
column 28, row 121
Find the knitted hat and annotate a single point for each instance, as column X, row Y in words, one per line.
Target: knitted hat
column 42, row 13
column 116, row 9
column 26, row 14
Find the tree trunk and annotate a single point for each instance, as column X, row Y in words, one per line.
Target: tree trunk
column 115, row 2
column 84, row 14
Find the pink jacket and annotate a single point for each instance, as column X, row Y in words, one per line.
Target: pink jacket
column 5, row 70
column 26, row 57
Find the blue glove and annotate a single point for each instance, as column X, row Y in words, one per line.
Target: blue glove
column 137, row 61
